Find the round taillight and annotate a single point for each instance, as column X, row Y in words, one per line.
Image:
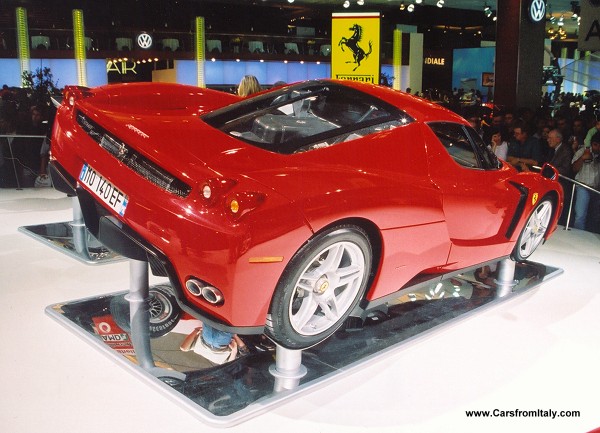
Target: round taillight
column 206, row 191
column 234, row 206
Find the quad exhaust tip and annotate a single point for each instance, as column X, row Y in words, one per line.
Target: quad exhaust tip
column 200, row 289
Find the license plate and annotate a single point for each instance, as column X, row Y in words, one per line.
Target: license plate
column 103, row 189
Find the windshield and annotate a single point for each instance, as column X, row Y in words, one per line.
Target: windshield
column 305, row 117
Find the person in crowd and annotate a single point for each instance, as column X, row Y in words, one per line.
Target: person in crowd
column 497, row 120
column 578, row 134
column 591, row 132
column 586, row 165
column 562, row 124
column 5, row 93
column 29, row 149
column 509, row 120
column 524, row 151
column 541, row 134
column 499, row 142
column 475, row 121
column 540, row 123
column 546, row 150
column 527, row 116
column 560, row 157
column 248, row 85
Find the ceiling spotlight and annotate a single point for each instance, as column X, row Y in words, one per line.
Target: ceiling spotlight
column 418, row 2
column 440, row 4
column 290, row 1
column 346, row 4
column 402, row 6
column 487, row 11
column 360, row 2
column 410, row 7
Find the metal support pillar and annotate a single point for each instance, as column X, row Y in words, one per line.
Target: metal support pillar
column 505, row 282
column 138, row 297
column 139, row 290
column 288, row 369
column 79, row 229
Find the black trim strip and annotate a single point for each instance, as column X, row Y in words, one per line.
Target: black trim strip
column 132, row 158
column 519, row 210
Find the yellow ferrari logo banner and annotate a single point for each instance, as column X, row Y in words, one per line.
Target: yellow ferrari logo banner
column 355, row 46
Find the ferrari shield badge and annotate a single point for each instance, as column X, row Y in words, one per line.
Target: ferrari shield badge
column 534, row 198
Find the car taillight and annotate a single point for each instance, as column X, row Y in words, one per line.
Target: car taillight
column 241, row 203
column 218, row 192
column 214, row 188
column 74, row 93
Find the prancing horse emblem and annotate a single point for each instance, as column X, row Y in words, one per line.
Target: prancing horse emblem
column 352, row 42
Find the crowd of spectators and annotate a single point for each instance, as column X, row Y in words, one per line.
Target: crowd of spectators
column 565, row 135
column 24, row 143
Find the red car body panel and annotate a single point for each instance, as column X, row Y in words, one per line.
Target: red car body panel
column 428, row 214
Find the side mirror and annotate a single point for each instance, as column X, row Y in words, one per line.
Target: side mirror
column 549, row 172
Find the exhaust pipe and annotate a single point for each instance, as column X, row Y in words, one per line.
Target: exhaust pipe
column 200, row 289
column 212, row 295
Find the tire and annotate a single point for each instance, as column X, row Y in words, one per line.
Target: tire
column 163, row 308
column 320, row 287
column 534, row 230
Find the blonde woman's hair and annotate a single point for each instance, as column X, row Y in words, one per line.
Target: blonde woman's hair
column 248, row 86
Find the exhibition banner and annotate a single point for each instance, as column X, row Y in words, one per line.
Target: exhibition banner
column 589, row 28
column 355, row 46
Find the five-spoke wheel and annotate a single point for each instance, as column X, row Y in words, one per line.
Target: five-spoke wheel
column 320, row 287
column 534, row 231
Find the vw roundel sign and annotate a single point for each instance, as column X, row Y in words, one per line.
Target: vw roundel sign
column 144, row 41
column 537, row 10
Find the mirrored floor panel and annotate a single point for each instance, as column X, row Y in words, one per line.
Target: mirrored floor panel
column 74, row 240
column 226, row 389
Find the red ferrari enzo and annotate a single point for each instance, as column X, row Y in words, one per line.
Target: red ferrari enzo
column 289, row 211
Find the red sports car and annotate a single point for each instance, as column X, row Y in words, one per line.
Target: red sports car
column 288, row 211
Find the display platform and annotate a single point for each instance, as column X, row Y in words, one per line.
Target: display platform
column 228, row 394
column 73, row 239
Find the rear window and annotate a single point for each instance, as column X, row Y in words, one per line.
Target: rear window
column 306, row 117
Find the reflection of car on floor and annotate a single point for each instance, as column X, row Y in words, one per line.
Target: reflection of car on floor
column 290, row 210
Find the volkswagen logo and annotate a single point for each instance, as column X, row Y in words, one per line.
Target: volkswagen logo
column 537, row 10
column 144, row 40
